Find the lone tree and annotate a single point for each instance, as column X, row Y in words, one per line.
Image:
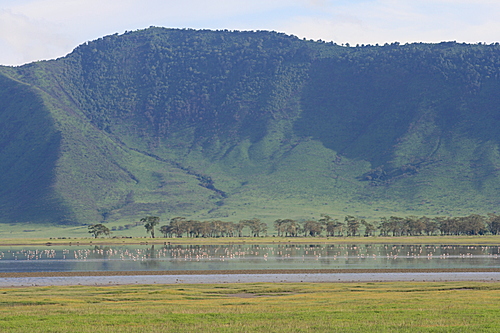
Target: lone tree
column 149, row 223
column 98, row 229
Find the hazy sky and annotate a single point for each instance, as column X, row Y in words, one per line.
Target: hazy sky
column 45, row 29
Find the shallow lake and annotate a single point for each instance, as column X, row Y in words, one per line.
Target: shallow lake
column 237, row 257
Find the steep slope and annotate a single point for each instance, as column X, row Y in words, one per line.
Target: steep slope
column 425, row 116
column 219, row 124
column 29, row 150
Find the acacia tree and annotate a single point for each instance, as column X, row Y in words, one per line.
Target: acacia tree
column 473, row 224
column 291, row 228
column 330, row 225
column 149, row 223
column 228, row 229
column 384, row 226
column 414, row 225
column 494, row 223
column 352, row 225
column 217, row 227
column 313, row 228
column 178, row 225
column 278, row 226
column 338, row 225
column 191, row 227
column 431, row 226
column 204, row 229
column 369, row 228
column 396, row 225
column 256, row 226
column 239, row 228
column 98, row 229
column 166, row 230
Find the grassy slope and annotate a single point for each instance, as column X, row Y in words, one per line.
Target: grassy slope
column 97, row 176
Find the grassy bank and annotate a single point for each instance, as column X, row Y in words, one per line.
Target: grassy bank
column 277, row 307
column 447, row 240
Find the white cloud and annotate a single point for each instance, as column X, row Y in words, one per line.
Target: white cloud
column 383, row 21
column 24, row 39
column 117, row 11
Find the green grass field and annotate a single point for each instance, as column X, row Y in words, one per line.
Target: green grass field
column 443, row 240
column 257, row 307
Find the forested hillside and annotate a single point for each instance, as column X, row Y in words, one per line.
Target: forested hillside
column 230, row 125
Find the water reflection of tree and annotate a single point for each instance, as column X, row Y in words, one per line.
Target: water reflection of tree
column 99, row 252
column 150, row 259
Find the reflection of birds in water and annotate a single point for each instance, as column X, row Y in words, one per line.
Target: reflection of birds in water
column 151, row 257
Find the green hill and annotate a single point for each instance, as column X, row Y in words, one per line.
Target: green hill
column 232, row 125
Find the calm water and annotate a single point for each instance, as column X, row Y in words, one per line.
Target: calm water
column 231, row 257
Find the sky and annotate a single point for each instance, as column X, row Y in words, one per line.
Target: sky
column 32, row 30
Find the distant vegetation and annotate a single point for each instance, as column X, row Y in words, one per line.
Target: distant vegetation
column 219, row 125
column 326, row 226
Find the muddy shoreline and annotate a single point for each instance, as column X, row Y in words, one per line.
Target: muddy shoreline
column 254, row 276
column 246, row 272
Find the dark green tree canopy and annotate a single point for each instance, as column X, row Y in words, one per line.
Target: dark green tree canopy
column 98, row 229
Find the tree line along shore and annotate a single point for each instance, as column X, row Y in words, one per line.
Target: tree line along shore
column 351, row 226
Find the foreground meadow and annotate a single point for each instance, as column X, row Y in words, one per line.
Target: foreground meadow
column 258, row 307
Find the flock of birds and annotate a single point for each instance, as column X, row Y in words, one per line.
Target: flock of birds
column 347, row 253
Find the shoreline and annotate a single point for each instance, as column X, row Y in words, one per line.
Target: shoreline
column 244, row 272
column 222, row 277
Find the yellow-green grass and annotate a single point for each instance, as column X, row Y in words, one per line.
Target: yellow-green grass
column 256, row 307
column 447, row 240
